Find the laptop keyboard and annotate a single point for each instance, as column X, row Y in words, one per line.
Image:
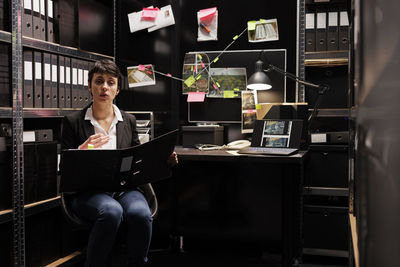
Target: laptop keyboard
column 269, row 150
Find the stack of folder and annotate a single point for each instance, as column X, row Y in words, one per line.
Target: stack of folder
column 38, row 19
column 55, row 81
column 326, row 29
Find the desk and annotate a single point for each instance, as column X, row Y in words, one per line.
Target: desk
column 253, row 198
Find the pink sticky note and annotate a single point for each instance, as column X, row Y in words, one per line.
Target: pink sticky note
column 169, row 75
column 196, row 97
column 202, row 64
column 141, row 67
column 215, row 87
column 250, row 111
column 150, row 13
column 149, row 72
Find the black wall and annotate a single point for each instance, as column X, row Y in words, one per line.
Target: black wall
column 165, row 49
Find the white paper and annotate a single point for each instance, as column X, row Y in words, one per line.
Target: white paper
column 47, row 72
column 332, row 19
column 344, row 18
column 28, row 70
column 42, row 8
column 28, row 4
column 310, row 23
column 164, row 18
column 85, row 77
column 36, row 5
column 67, row 75
column 136, row 23
column 321, row 20
column 54, row 73
column 74, row 76
column 38, row 70
column 213, row 27
column 50, row 8
column 318, row 138
column 61, row 74
column 80, row 76
column 28, row 136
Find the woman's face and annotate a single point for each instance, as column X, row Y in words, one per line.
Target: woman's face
column 104, row 87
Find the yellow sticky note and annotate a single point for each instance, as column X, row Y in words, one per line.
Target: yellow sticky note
column 236, row 89
column 236, row 36
column 218, row 84
column 198, row 77
column 262, row 20
column 191, row 67
column 199, row 56
column 189, row 81
column 229, row 94
column 258, row 106
column 216, row 59
column 251, row 25
column 90, row 146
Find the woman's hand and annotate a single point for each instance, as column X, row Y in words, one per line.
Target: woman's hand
column 173, row 159
column 96, row 140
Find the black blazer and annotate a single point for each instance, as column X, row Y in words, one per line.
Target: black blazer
column 75, row 130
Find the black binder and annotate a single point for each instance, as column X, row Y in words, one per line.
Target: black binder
column 344, row 31
column 50, row 21
column 61, row 82
column 333, row 33
column 68, row 98
column 47, row 80
column 119, row 169
column 81, row 92
column 320, row 35
column 310, row 32
column 38, row 85
column 54, row 81
column 28, row 79
column 36, row 19
column 74, row 83
column 27, row 24
column 66, row 12
column 42, row 20
column 5, row 74
column 87, row 95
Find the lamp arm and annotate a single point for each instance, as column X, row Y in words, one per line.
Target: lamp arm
column 322, row 87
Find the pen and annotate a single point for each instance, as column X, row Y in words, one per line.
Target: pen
column 204, row 27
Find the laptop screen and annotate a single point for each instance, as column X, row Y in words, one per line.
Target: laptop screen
column 277, row 133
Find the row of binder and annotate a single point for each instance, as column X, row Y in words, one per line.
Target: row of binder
column 38, row 19
column 5, row 85
column 327, row 31
column 55, row 81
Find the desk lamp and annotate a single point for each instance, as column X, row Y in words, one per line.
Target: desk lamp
column 261, row 81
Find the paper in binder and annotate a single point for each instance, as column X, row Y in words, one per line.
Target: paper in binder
column 50, row 21
column 344, row 31
column 28, row 79
column 47, row 80
column 320, row 35
column 38, row 84
column 310, row 32
column 27, row 24
column 333, row 34
column 61, row 81
column 54, row 81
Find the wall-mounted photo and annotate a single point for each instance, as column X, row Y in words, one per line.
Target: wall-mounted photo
column 141, row 75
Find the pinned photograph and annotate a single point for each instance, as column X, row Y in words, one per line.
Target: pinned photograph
column 223, row 80
column 263, row 30
column 141, row 75
column 249, row 114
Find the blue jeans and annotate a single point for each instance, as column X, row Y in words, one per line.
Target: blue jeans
column 106, row 211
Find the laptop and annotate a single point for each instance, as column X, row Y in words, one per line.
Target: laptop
column 275, row 137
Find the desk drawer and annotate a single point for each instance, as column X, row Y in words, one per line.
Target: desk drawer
column 327, row 167
column 325, row 227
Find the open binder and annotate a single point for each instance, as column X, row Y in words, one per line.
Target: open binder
column 115, row 170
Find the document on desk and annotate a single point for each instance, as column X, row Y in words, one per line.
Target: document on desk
column 117, row 169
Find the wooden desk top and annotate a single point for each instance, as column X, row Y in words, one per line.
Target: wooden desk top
column 193, row 154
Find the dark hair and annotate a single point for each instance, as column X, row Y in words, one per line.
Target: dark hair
column 105, row 66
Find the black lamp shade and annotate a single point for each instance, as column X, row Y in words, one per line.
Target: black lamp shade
column 259, row 80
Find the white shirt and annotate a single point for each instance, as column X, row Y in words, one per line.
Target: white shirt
column 112, row 131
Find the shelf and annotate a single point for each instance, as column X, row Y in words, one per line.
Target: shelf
column 326, row 252
column 69, row 260
column 318, row 2
column 38, row 112
column 334, row 112
column 59, row 49
column 326, row 58
column 326, row 191
column 5, row 37
column 32, row 208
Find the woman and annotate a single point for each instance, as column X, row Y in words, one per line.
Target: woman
column 103, row 125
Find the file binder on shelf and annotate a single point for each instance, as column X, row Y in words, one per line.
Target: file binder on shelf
column 5, row 74
column 344, row 31
column 88, row 96
column 74, row 83
column 47, row 80
column 42, row 20
column 27, row 24
column 310, row 32
column 28, row 79
column 333, row 33
column 320, row 35
column 54, row 81
column 117, row 169
column 61, row 82
column 66, row 12
column 81, row 92
column 50, row 21
column 68, row 89
column 36, row 19
column 38, row 85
